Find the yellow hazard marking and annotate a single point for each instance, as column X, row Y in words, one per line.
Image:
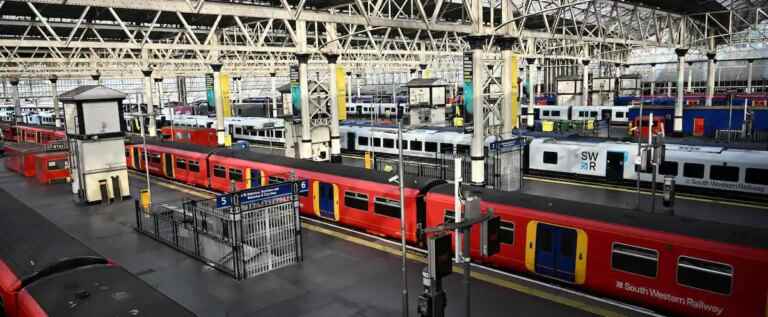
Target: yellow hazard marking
column 679, row 196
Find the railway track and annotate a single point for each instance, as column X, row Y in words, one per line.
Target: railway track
column 644, row 190
column 481, row 272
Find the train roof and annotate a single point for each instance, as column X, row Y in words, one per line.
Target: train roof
column 708, row 230
column 312, row 166
column 101, row 291
column 25, row 245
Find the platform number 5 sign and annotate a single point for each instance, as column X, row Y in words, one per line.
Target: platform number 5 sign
column 223, row 201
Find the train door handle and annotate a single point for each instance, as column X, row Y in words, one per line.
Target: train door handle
column 580, row 257
column 530, row 245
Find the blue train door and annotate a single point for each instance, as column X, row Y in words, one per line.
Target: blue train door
column 255, row 178
column 555, row 252
column 326, row 200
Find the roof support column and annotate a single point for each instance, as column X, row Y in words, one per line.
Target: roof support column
column 678, row 121
column 749, row 76
column 55, row 99
column 16, row 102
column 653, row 80
column 711, row 64
column 539, row 79
column 152, row 128
column 531, row 80
column 305, row 149
column 238, row 81
column 585, row 83
column 273, row 82
column 221, row 134
column 510, row 109
column 689, row 88
column 477, row 149
column 334, row 105
column 159, row 89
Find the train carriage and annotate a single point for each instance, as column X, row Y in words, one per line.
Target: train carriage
column 692, row 268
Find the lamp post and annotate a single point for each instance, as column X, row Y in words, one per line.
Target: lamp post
column 402, row 215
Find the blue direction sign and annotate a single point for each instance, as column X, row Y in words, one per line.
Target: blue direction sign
column 506, row 145
column 256, row 195
column 303, row 186
column 223, row 201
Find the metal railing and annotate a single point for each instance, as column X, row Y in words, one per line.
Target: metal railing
column 241, row 241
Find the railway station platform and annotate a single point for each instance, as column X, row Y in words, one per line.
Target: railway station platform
column 343, row 274
column 701, row 207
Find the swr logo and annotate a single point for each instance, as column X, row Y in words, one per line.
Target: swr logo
column 589, row 161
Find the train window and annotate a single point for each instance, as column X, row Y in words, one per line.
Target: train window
column 545, row 113
column 507, row 232
column 356, row 200
column 636, row 260
column 57, row 165
column 550, row 157
column 555, row 113
column 238, row 130
column 377, row 142
column 593, row 114
column 181, row 163
column 415, row 145
column 706, row 275
column 757, row 176
column 235, row 174
column 387, row 207
column 619, row 115
column 276, row 180
column 405, row 144
column 430, row 146
column 154, row 158
column 262, row 133
column 693, row 170
column 724, row 173
column 668, row 168
column 582, row 114
column 461, row 148
column 361, row 140
column 389, row 143
column 568, row 244
column 194, row 166
column 544, row 240
column 449, row 217
column 278, row 134
column 219, row 171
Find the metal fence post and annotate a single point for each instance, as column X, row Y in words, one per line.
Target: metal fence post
column 137, row 208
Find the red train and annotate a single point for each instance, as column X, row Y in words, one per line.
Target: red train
column 667, row 263
column 30, row 134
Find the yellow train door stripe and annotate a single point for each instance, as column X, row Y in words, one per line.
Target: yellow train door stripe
column 248, row 177
column 530, row 246
column 316, row 197
column 336, row 208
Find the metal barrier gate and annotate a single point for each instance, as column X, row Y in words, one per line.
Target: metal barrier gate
column 243, row 234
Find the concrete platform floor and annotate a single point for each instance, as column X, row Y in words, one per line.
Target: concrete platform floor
column 337, row 278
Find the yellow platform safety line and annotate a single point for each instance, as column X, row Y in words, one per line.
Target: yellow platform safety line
column 456, row 268
column 686, row 197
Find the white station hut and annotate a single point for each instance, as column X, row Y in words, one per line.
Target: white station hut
column 426, row 102
column 97, row 149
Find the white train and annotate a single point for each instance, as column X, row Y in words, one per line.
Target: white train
column 422, row 142
column 616, row 114
column 255, row 129
column 701, row 167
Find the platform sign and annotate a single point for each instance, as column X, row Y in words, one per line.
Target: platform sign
column 303, row 186
column 508, row 145
column 468, row 94
column 293, row 76
column 257, row 195
column 223, row 201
